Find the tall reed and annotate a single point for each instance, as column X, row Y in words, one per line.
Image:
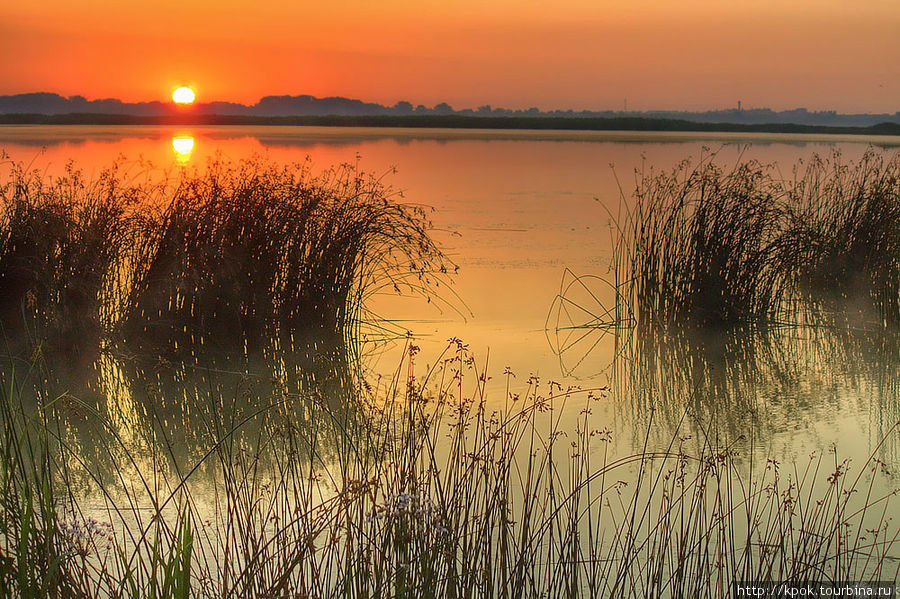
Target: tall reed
column 702, row 246
column 245, row 255
column 60, row 239
column 842, row 235
column 698, row 247
column 250, row 251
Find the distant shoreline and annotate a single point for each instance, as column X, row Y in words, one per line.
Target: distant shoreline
column 448, row 122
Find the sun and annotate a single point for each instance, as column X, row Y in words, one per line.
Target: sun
column 183, row 95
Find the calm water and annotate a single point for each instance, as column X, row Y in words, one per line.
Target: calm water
column 521, row 213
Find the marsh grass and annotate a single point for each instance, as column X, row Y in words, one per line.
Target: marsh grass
column 841, row 239
column 429, row 487
column 436, row 493
column 248, row 256
column 699, row 247
column 59, row 240
column 248, row 252
column 710, row 247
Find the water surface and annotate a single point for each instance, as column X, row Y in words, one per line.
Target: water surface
column 522, row 213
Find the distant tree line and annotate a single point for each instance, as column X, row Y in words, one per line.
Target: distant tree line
column 45, row 103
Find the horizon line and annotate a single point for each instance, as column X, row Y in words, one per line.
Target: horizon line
column 737, row 108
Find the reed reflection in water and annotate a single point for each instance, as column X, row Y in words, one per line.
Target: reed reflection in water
column 749, row 303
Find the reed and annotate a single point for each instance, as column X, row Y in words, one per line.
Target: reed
column 243, row 255
column 698, row 247
column 842, row 235
column 248, row 252
column 707, row 247
column 59, row 241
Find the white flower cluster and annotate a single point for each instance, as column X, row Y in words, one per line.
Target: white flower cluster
column 85, row 534
column 412, row 509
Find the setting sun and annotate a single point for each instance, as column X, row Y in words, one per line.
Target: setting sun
column 183, row 95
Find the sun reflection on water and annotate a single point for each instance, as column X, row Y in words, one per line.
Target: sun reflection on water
column 183, row 145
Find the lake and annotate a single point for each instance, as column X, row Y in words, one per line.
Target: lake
column 529, row 218
column 513, row 209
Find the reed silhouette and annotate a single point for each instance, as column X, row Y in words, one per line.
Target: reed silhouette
column 248, row 253
column 60, row 239
column 841, row 239
column 243, row 257
column 705, row 246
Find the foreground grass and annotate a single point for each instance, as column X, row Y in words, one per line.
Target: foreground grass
column 432, row 493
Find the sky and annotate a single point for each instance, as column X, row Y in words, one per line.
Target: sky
column 582, row 54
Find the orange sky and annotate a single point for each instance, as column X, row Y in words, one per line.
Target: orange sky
column 692, row 54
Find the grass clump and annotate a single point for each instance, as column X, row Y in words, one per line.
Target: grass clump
column 243, row 255
column 707, row 247
column 842, row 235
column 60, row 240
column 699, row 247
column 250, row 251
